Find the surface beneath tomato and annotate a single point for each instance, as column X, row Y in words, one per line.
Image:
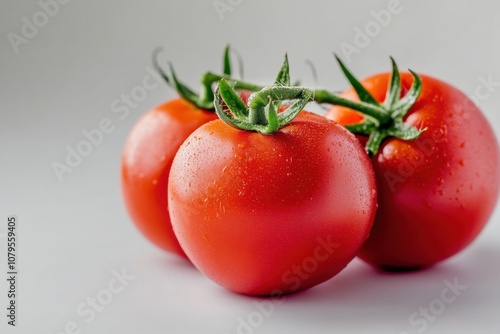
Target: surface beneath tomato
column 146, row 161
column 271, row 214
column 437, row 192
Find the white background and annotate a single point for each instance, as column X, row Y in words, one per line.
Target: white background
column 74, row 233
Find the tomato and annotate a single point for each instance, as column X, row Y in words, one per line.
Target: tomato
column 146, row 161
column 436, row 192
column 272, row 214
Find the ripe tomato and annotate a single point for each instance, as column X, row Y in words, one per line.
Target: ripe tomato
column 436, row 192
column 272, row 214
column 146, row 161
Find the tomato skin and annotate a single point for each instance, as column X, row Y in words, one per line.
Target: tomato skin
column 248, row 208
column 146, row 161
column 437, row 192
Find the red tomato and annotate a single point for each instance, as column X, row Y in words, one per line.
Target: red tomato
column 437, row 192
column 146, row 160
column 272, row 214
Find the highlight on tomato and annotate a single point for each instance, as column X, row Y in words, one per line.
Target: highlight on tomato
column 270, row 200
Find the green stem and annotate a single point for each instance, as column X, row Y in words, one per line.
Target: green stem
column 256, row 112
column 261, row 115
column 256, row 115
column 209, row 78
column 204, row 100
column 374, row 141
column 376, row 112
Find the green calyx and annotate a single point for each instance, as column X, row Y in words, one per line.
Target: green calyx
column 205, row 99
column 381, row 120
column 262, row 114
